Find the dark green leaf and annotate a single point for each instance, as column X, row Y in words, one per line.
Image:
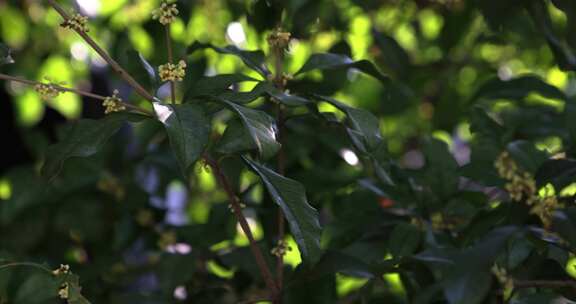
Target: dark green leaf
column 142, row 71
column 559, row 172
column 236, row 138
column 517, row 89
column 468, row 288
column 361, row 121
column 404, row 240
column 253, row 59
column 214, row 85
column 261, row 127
column 331, row 61
column 188, row 128
column 526, row 155
column 5, row 56
column 290, row 195
column 84, row 138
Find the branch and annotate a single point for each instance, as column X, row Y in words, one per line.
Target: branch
column 72, row 90
column 170, row 60
column 260, row 261
column 115, row 66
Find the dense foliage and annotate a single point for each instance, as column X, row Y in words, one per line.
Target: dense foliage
column 356, row 151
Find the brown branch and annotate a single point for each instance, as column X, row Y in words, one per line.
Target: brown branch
column 115, row 66
column 170, row 60
column 236, row 207
column 72, row 90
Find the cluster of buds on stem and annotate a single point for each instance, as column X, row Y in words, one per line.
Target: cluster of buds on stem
column 520, row 183
column 231, row 208
column 281, row 249
column 64, row 291
column 113, row 103
column 166, row 13
column 47, row 91
column 172, row 72
column 279, row 40
column 77, row 22
column 63, row 269
column 503, row 278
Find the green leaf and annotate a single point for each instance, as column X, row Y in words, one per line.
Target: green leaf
column 331, row 61
column 526, row 155
column 468, row 288
column 188, row 129
column 5, row 56
column 214, row 85
column 361, row 121
column 517, row 89
column 290, row 195
column 253, row 59
column 404, row 240
column 260, row 126
column 559, row 172
column 74, row 290
column 84, row 138
column 236, row 139
column 441, row 170
column 283, row 97
column 142, row 71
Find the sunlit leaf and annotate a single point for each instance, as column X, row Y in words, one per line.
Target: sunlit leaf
column 290, row 195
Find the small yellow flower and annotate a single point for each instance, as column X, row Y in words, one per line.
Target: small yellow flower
column 172, row 72
column 544, row 209
column 231, row 208
column 77, row 22
column 281, row 249
column 64, row 291
column 47, row 91
column 166, row 13
column 113, row 103
column 520, row 183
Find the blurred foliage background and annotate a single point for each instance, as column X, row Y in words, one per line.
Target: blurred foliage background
column 441, row 54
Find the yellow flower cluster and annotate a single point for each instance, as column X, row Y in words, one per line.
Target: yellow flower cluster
column 166, row 13
column 113, row 103
column 172, row 72
column 439, row 222
column 520, row 183
column 231, row 208
column 503, row 278
column 76, row 22
column 281, row 249
column 47, row 91
column 279, row 40
column 545, row 208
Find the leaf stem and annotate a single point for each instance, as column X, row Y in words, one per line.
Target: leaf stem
column 73, row 90
column 235, row 203
column 170, row 60
column 115, row 66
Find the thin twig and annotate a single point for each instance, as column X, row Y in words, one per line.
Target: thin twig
column 15, row 264
column 115, row 66
column 544, row 283
column 235, row 203
column 72, row 90
column 251, row 301
column 170, row 60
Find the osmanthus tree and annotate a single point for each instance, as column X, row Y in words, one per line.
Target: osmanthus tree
column 289, row 221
